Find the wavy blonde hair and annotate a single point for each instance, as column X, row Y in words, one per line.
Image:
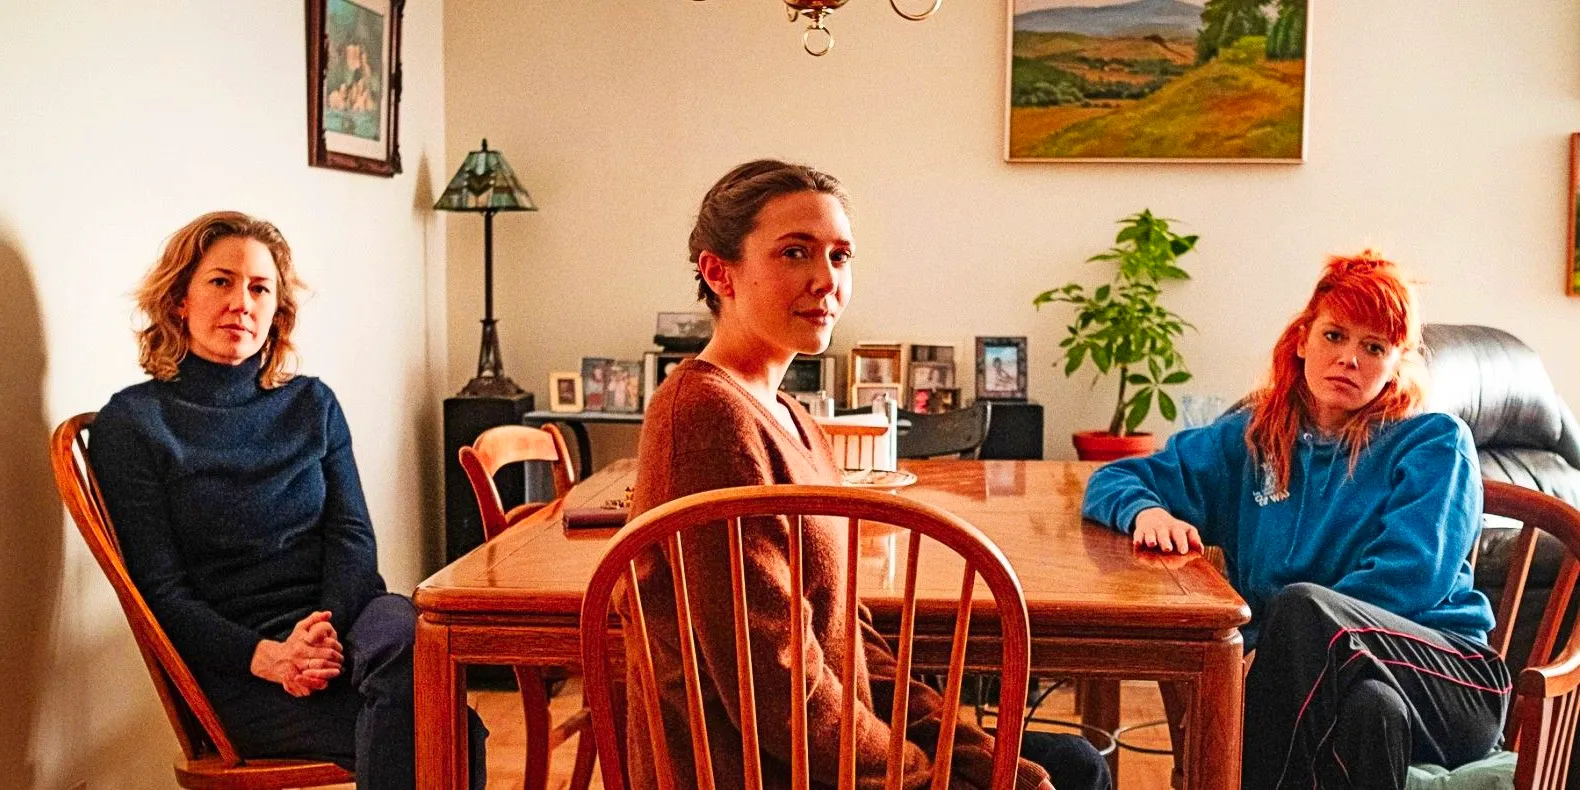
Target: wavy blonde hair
column 1363, row 289
column 165, row 341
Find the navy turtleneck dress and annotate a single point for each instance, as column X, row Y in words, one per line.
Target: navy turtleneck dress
column 239, row 511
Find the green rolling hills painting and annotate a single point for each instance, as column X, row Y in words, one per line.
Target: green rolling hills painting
column 1171, row 80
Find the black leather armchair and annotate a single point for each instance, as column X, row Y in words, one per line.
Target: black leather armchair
column 1525, row 434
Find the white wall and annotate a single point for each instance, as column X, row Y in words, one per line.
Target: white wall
column 121, row 122
column 1438, row 135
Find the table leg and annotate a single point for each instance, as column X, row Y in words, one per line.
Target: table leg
column 1100, row 709
column 440, row 701
column 1213, row 729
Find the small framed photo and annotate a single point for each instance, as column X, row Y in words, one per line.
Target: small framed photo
column 809, row 375
column 683, row 331
column 932, row 375
column 1001, row 368
column 595, row 382
column 565, row 391
column 923, row 352
column 934, row 401
column 354, row 85
column 656, row 367
column 623, row 387
column 875, row 365
column 865, row 394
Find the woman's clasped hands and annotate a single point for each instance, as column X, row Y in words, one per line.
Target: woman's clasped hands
column 306, row 661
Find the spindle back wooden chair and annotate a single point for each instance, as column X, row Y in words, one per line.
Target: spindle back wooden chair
column 493, row 450
column 860, row 441
column 667, row 526
column 208, row 760
column 1546, row 706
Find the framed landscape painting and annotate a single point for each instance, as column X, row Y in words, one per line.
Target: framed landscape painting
column 1572, row 254
column 1156, row 81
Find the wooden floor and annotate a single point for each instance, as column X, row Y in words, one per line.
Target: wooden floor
column 501, row 711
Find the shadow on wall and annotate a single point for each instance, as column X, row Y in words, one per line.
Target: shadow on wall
column 31, row 561
column 430, row 441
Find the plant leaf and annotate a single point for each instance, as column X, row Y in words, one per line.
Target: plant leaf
column 1137, row 378
column 1166, row 406
column 1177, row 377
column 1076, row 357
column 1138, row 410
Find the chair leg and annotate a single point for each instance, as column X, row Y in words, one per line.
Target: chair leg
column 535, row 709
column 1100, row 709
column 586, row 755
column 1176, row 708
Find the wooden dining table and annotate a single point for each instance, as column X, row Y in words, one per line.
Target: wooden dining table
column 1099, row 608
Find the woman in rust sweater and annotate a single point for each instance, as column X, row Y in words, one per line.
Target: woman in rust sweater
column 772, row 246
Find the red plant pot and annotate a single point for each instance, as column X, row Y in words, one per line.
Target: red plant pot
column 1104, row 446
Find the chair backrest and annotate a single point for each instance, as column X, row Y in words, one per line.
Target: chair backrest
column 860, row 441
column 664, row 527
column 197, row 726
column 959, row 432
column 1541, row 726
column 508, row 444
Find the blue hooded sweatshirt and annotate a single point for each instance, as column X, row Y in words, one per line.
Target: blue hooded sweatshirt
column 1397, row 533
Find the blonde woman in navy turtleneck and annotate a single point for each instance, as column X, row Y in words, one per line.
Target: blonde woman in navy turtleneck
column 233, row 489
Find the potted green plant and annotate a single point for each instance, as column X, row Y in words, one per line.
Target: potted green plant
column 1121, row 327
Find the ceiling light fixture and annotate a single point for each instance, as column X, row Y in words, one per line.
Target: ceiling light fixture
column 816, row 10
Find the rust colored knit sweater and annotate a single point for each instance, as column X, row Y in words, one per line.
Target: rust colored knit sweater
column 703, row 431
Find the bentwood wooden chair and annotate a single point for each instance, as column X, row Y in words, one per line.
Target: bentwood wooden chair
column 957, row 433
column 669, row 525
column 494, row 449
column 208, row 760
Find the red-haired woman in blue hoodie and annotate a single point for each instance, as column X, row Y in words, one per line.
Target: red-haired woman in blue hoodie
column 1346, row 516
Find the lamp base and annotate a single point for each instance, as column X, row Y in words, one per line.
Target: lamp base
column 490, row 381
column 487, row 385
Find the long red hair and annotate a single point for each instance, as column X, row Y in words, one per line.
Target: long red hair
column 1365, row 289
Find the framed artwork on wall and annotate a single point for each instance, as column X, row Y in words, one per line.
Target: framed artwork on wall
column 1572, row 253
column 353, row 85
column 1001, row 368
column 1182, row 81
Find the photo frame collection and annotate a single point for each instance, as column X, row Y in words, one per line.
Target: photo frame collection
column 919, row 377
column 354, row 85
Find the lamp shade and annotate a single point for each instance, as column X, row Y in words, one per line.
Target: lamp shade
column 485, row 183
